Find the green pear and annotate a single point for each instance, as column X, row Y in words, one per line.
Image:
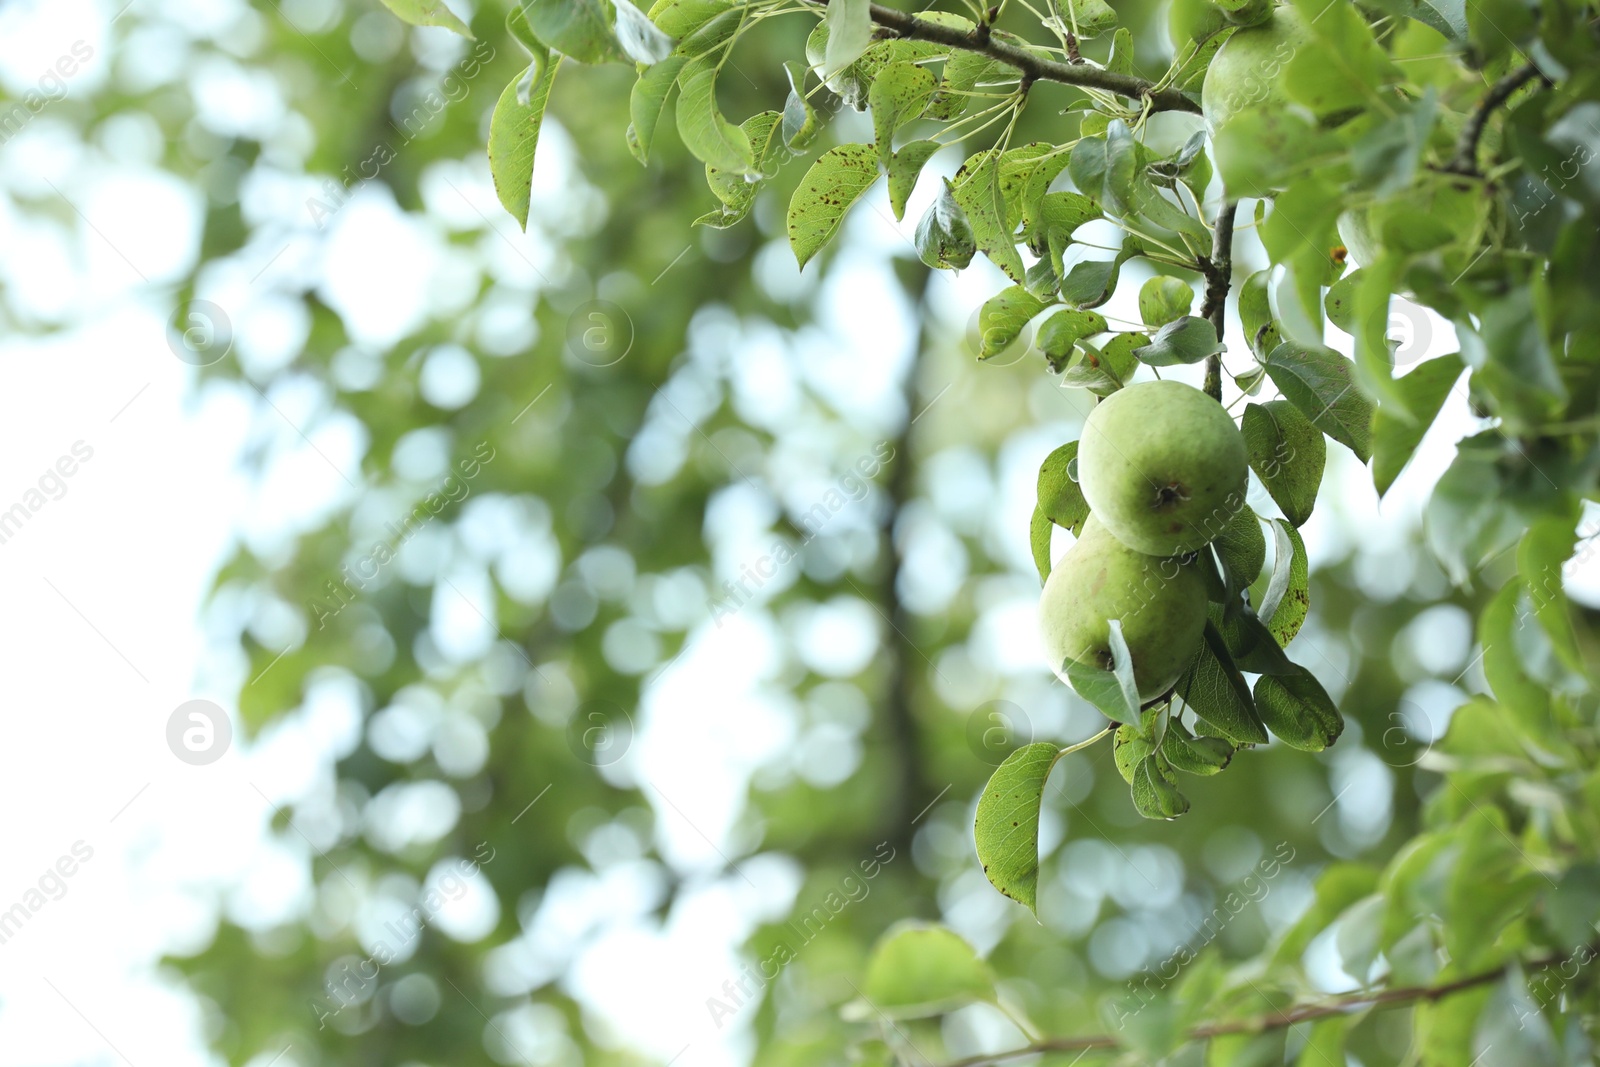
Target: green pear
column 1162, row 466
column 1161, row 604
column 1245, row 73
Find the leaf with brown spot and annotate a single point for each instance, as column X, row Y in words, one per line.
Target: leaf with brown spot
column 835, row 182
column 1007, row 826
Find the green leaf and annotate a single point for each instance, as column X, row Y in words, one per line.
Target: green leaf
column 1129, row 748
column 1060, row 499
column 1511, row 358
column 638, row 37
column 1155, row 790
column 1287, row 453
column 1358, row 936
column 1541, row 557
column 1184, row 340
column 1287, row 599
column 1017, row 167
column 1448, row 17
column 1491, row 888
column 680, row 18
column 1325, row 1044
column 1524, row 702
column 1340, row 303
column 1512, row 1030
column 1319, row 382
column 977, row 190
column 708, row 136
column 647, row 100
column 835, row 182
column 1255, row 314
column 1394, row 437
column 1248, row 640
column 577, row 28
column 1345, row 66
column 918, row 970
column 1104, row 168
column 1194, row 755
column 1163, row 299
column 1467, row 519
column 1039, row 532
column 428, row 13
column 962, row 73
column 1242, row 548
column 738, row 193
column 1091, row 282
column 944, row 236
column 1101, row 371
column 1035, row 189
column 1298, row 710
column 904, row 168
column 1065, row 329
column 1156, row 211
column 899, row 94
column 1007, row 827
column 1064, row 212
column 800, row 124
column 1002, row 318
column 1385, row 159
column 1112, row 691
column 514, row 136
column 1084, row 18
column 713, row 35
column 849, row 24
column 1339, row 886
column 1218, row 694
column 1300, row 234
column 1262, row 150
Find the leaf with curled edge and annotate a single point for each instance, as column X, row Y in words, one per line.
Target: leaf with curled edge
column 1007, row 824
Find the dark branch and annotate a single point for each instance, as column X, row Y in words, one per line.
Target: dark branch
column 1272, row 1020
column 1218, row 271
column 1033, row 67
column 1465, row 160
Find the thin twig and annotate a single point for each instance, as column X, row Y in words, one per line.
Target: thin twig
column 1272, row 1020
column 1032, row 67
column 1218, row 271
column 1465, row 160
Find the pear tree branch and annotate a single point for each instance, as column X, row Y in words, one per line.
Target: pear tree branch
column 1218, row 271
column 1033, row 67
column 1273, row 1020
column 1465, row 160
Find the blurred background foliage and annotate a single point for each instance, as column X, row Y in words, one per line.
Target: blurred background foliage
column 537, row 681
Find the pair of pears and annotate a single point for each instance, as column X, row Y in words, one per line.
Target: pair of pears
column 1164, row 470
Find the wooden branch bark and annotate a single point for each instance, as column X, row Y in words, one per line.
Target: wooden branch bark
column 1032, row 67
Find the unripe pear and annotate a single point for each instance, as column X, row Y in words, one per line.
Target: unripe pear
column 1162, row 466
column 1245, row 73
column 1161, row 604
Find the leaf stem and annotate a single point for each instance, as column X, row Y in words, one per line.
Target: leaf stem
column 1081, row 745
